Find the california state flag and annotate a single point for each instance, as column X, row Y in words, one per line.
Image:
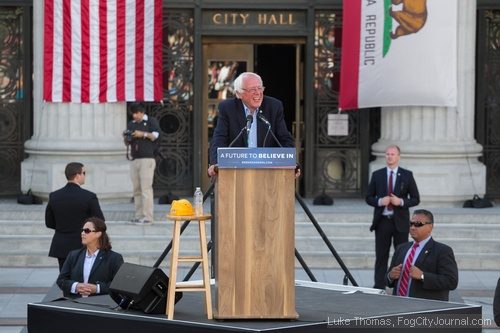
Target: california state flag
column 399, row 53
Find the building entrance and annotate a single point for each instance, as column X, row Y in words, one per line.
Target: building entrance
column 15, row 93
column 488, row 96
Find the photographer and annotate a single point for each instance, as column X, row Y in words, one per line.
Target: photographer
column 142, row 136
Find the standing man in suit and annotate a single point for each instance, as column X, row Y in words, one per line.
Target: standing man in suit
column 66, row 211
column 392, row 191
column 423, row 268
column 265, row 112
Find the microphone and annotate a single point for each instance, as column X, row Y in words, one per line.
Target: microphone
column 265, row 121
column 261, row 117
column 245, row 128
column 249, row 123
column 269, row 130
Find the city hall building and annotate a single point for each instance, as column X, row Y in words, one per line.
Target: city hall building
column 296, row 47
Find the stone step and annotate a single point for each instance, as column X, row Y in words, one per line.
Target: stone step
column 366, row 260
column 348, row 211
column 138, row 243
column 360, row 244
column 441, row 231
column 473, row 234
column 314, row 260
column 338, row 229
column 449, row 216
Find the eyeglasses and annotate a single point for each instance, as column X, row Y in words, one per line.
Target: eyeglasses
column 254, row 90
column 87, row 230
column 418, row 224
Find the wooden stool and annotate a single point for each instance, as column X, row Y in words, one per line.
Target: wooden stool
column 203, row 259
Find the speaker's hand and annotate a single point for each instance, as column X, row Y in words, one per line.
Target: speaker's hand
column 213, row 170
column 298, row 171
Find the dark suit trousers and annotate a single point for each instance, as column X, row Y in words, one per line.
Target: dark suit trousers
column 385, row 233
column 61, row 263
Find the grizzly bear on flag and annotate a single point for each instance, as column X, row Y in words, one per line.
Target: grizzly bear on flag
column 411, row 18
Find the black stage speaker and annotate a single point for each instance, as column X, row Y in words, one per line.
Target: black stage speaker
column 141, row 288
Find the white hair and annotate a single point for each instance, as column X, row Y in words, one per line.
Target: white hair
column 238, row 82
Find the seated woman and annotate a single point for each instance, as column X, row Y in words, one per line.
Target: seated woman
column 90, row 270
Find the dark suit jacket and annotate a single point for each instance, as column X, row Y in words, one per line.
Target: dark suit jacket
column 66, row 210
column 404, row 188
column 437, row 261
column 231, row 119
column 102, row 273
column 496, row 304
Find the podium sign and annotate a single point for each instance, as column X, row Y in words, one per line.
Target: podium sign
column 257, row 158
column 255, row 234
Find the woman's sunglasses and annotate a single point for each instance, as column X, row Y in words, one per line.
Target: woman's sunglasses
column 87, row 230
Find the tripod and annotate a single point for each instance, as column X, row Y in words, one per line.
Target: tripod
column 210, row 193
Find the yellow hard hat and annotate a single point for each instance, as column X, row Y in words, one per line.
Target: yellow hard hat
column 181, row 207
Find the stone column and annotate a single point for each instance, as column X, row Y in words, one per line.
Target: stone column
column 437, row 143
column 71, row 132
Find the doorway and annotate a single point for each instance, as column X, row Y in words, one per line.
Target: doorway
column 275, row 63
column 15, row 93
column 488, row 97
column 278, row 61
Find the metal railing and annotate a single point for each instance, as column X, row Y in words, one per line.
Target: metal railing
column 210, row 193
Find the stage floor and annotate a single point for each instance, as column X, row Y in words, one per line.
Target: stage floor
column 321, row 307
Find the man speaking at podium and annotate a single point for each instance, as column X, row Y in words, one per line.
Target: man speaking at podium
column 249, row 120
column 244, row 216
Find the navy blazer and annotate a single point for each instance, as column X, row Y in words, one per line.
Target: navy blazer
column 437, row 261
column 102, row 273
column 231, row 119
column 496, row 304
column 404, row 188
column 66, row 210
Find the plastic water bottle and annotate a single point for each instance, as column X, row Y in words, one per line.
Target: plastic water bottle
column 198, row 201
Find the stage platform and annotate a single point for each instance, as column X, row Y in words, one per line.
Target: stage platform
column 321, row 307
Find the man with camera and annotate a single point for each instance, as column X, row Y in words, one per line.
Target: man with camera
column 142, row 136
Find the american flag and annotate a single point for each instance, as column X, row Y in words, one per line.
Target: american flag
column 98, row 51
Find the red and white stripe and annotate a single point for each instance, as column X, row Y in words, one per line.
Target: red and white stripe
column 98, row 51
column 349, row 77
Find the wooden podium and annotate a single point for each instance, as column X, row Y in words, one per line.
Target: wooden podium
column 255, row 242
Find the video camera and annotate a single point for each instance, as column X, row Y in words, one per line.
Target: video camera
column 128, row 135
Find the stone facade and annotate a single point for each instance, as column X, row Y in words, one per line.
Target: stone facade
column 437, row 143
